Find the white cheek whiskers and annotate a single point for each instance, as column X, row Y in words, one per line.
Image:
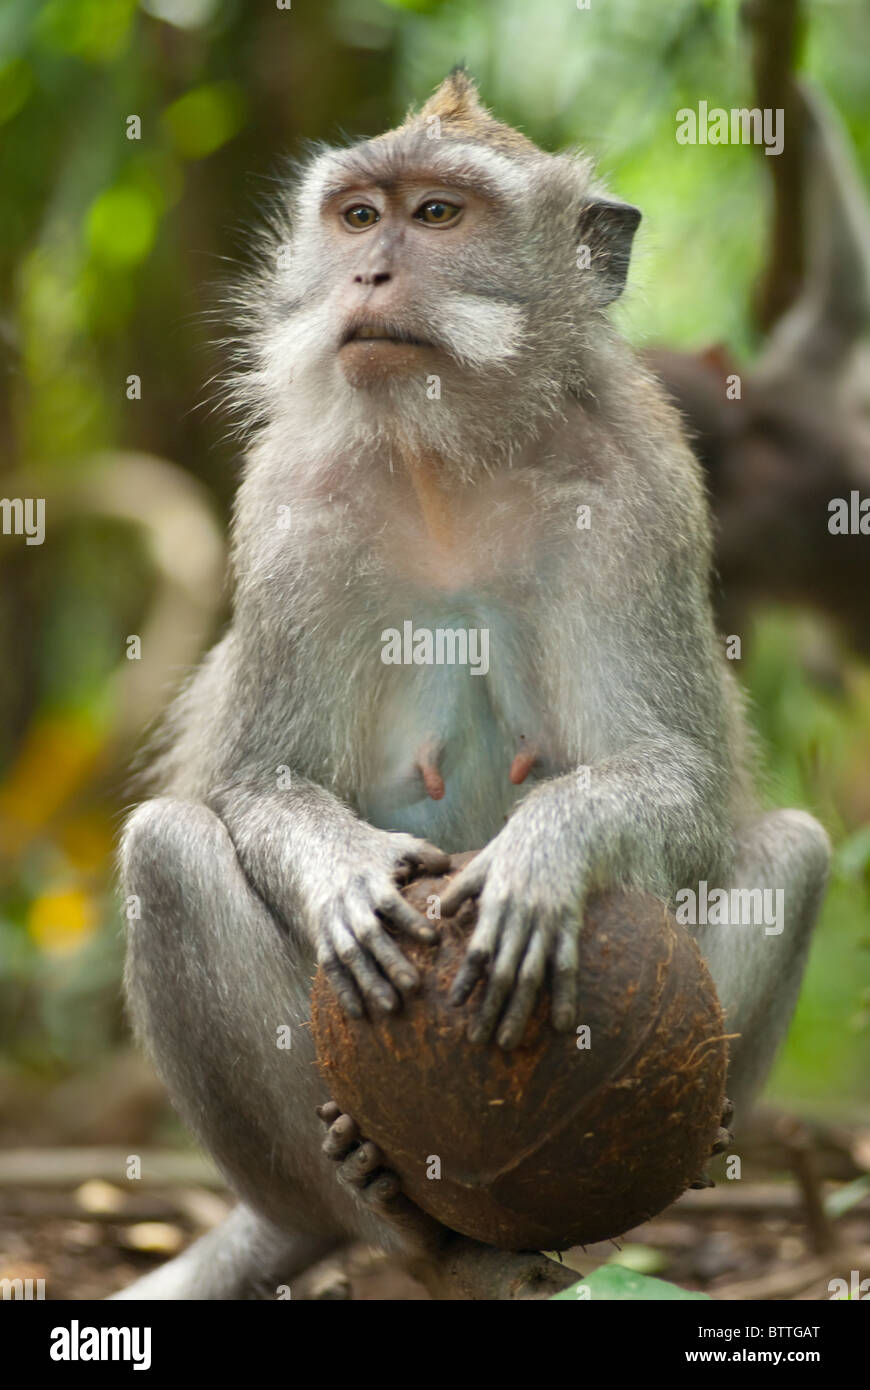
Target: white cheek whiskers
column 476, row 330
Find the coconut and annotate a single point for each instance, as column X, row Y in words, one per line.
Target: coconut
column 567, row 1138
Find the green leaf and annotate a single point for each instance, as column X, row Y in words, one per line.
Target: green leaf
column 839, row 1202
column 643, row 1259
column 622, row 1285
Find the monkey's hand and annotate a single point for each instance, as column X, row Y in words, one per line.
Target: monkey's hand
column 352, row 911
column 530, row 890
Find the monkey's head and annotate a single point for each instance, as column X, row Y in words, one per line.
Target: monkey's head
column 447, row 266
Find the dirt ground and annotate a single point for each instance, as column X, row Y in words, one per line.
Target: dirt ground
column 797, row 1217
column 90, row 1241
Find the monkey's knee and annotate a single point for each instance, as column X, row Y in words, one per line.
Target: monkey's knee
column 184, row 892
column 165, row 837
column 177, row 863
column 803, row 835
column 786, row 855
column 791, row 850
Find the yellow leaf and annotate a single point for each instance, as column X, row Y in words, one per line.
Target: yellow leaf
column 62, row 921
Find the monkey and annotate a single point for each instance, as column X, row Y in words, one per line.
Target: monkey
column 798, row 435
column 444, row 430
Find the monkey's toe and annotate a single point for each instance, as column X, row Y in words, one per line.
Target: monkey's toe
column 359, row 1161
column 362, row 1164
column 384, row 1194
column 329, row 1111
column 724, row 1136
column 703, row 1180
column 342, row 1134
column 723, row 1139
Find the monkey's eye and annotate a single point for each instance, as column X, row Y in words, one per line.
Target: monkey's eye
column 437, row 213
column 361, row 216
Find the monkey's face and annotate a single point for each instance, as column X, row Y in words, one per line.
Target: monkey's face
column 385, row 239
column 405, row 251
column 389, row 242
column 428, row 291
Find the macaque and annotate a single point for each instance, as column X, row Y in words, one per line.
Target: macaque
column 446, row 436
column 795, row 433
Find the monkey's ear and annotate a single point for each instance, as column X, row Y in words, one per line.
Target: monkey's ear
column 607, row 228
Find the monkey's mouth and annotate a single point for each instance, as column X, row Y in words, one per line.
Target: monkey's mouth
column 382, row 333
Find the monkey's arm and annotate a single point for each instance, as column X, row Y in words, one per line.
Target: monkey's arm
column 642, row 820
column 333, row 877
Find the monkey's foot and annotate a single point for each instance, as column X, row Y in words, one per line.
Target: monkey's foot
column 360, row 1164
column 723, row 1139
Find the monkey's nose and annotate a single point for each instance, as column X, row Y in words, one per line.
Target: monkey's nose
column 372, row 277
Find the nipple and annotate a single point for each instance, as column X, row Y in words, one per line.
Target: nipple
column 427, row 766
column 522, row 765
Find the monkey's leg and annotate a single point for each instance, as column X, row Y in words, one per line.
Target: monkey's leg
column 215, row 986
column 758, row 975
column 243, row 1258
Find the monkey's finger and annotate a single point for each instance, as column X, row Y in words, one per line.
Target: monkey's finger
column 377, row 992
column 528, row 986
column 478, row 956
column 564, row 984
column 468, row 884
column 383, row 948
column 416, row 857
column 391, row 907
column 428, row 857
column 342, row 983
column 342, row 1136
column 472, row 968
column 514, row 929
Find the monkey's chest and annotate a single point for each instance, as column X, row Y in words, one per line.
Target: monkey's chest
column 459, row 733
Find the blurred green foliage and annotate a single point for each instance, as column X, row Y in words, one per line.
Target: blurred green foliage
column 109, row 250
